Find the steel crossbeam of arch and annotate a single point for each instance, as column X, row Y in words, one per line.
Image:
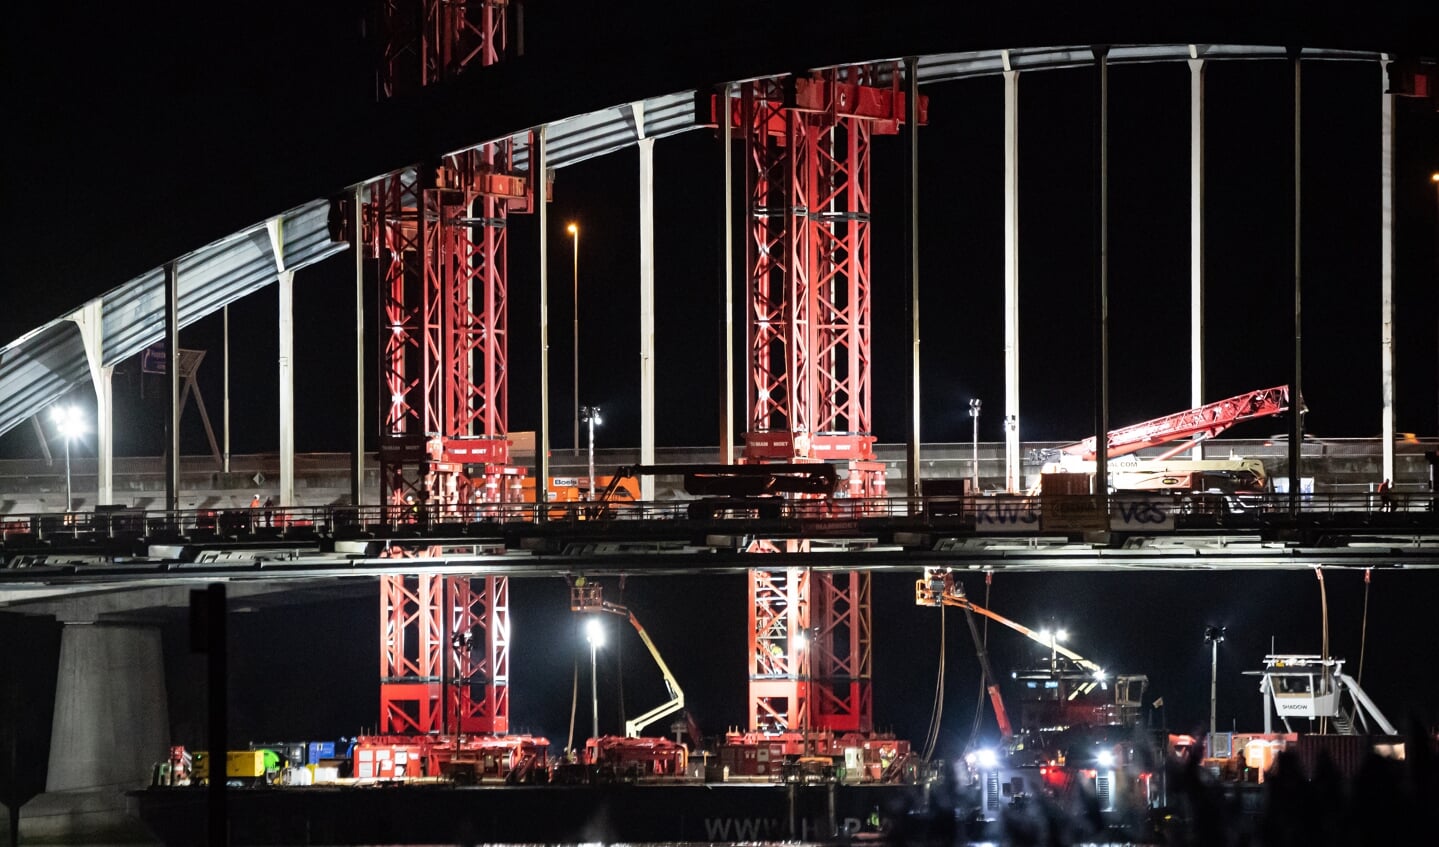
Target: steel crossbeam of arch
column 440, row 234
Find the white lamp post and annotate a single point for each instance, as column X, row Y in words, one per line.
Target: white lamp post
column 70, row 423
column 974, row 461
column 595, row 635
column 1212, row 636
column 574, row 231
column 1053, row 636
column 591, row 416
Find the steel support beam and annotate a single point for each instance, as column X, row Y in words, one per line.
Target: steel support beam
column 1386, row 269
column 726, row 283
column 538, row 168
column 90, row 320
column 1101, row 287
column 357, row 456
column 172, row 368
column 647, row 302
column 911, row 122
column 1013, row 471
column 225, row 388
column 286, row 365
column 1296, row 419
column 1196, row 236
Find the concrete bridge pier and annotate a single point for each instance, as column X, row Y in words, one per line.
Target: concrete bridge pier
column 111, row 723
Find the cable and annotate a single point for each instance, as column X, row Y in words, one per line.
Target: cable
column 574, row 703
column 1323, row 639
column 937, row 708
column 1363, row 628
column 619, row 655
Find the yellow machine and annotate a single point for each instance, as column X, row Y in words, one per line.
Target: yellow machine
column 239, row 764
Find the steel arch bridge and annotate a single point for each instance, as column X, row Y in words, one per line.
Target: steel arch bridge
column 536, row 90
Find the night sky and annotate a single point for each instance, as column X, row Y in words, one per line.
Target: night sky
column 127, row 114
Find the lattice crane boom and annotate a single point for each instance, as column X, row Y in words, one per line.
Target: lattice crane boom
column 1190, row 426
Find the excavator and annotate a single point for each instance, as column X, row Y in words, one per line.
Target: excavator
column 632, row 756
column 1182, row 431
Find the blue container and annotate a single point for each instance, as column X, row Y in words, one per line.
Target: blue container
column 320, row 750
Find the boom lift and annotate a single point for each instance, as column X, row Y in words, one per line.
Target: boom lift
column 1064, row 740
column 938, row 587
column 586, row 596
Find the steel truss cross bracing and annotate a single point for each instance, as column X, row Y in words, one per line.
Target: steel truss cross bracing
column 439, row 232
column 807, row 183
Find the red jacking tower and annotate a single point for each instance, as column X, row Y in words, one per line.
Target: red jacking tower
column 807, row 179
column 439, row 233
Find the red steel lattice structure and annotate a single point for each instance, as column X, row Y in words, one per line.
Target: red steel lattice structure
column 439, row 233
column 427, row 41
column 1191, row 426
column 779, row 672
column 807, row 183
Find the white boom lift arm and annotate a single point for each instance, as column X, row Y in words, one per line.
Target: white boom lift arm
column 588, row 597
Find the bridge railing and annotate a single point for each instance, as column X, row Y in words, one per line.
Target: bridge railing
column 1189, row 511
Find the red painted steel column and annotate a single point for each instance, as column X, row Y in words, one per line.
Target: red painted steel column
column 807, row 153
column 443, row 366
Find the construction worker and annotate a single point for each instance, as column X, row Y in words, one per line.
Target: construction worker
column 255, row 502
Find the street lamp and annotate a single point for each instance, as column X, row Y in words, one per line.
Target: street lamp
column 1212, row 636
column 574, row 231
column 974, row 461
column 70, row 423
column 591, row 416
column 595, row 635
column 1053, row 636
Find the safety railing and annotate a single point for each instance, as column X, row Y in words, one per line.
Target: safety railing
column 1197, row 510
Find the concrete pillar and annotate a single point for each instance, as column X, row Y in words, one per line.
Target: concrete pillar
column 111, row 725
column 111, row 720
column 1196, row 234
column 1013, row 472
column 647, row 302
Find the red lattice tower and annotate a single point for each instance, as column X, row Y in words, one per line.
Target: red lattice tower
column 779, row 674
column 427, row 41
column 807, row 183
column 439, row 232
